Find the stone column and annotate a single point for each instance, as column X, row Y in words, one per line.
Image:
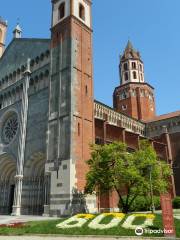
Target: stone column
column 47, row 194
column 22, row 144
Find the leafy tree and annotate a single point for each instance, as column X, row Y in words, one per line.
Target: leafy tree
column 112, row 167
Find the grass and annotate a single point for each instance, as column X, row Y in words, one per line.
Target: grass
column 49, row 227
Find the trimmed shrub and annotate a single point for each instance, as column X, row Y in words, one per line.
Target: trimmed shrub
column 143, row 203
column 176, row 203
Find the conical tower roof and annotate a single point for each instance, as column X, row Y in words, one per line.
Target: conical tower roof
column 130, row 52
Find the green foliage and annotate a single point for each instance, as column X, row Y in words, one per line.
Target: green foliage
column 113, row 168
column 142, row 203
column 176, row 203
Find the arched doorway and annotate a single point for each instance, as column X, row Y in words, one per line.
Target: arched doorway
column 33, row 185
column 7, row 183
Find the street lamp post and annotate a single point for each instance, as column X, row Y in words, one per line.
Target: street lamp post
column 151, row 189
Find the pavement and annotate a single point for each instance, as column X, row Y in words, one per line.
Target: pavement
column 177, row 216
column 15, row 219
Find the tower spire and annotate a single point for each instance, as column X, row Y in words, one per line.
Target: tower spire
column 134, row 96
column 17, row 33
column 129, row 45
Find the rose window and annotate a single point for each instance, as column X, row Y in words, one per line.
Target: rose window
column 10, row 128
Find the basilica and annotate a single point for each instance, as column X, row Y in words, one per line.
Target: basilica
column 49, row 117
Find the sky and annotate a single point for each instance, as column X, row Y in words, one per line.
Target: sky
column 151, row 25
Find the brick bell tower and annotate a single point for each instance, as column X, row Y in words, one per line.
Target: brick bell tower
column 71, row 102
column 134, row 96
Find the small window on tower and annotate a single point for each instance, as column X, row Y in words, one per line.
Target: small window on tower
column 62, row 10
column 126, row 76
column 140, row 67
column 133, row 65
column 124, row 96
column 79, row 130
column 134, row 75
column 81, row 12
column 86, row 90
column 125, row 66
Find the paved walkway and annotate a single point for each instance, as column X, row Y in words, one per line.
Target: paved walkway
column 177, row 216
column 14, row 219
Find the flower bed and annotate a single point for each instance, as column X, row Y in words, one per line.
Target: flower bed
column 12, row 225
column 80, row 220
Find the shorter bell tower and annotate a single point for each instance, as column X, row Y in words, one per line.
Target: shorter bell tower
column 134, row 96
column 3, row 29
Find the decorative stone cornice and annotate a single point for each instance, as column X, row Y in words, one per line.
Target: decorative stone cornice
column 105, row 113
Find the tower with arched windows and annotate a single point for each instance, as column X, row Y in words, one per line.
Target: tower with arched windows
column 70, row 128
column 134, row 96
column 131, row 66
column 3, row 28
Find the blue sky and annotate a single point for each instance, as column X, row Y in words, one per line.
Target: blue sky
column 152, row 26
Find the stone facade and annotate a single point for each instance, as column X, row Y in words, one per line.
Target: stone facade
column 24, row 99
column 48, row 117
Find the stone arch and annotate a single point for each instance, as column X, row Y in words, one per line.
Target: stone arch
column 33, row 185
column 42, row 56
column 7, row 182
column 41, row 80
column 47, row 53
column 34, row 167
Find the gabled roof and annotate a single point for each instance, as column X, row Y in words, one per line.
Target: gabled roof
column 18, row 51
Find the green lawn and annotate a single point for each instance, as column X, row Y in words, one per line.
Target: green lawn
column 49, row 227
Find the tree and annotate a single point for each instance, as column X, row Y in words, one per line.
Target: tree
column 113, row 168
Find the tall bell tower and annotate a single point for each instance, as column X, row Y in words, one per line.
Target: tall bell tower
column 3, row 29
column 71, row 120
column 134, row 96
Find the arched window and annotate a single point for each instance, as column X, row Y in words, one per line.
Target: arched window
column 133, row 65
column 134, row 75
column 125, row 66
column 86, row 90
column 124, row 96
column 81, row 12
column 126, row 76
column 62, row 10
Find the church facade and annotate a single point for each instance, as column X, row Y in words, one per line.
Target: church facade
column 48, row 116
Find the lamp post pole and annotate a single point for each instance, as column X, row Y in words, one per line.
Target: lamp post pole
column 151, row 189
